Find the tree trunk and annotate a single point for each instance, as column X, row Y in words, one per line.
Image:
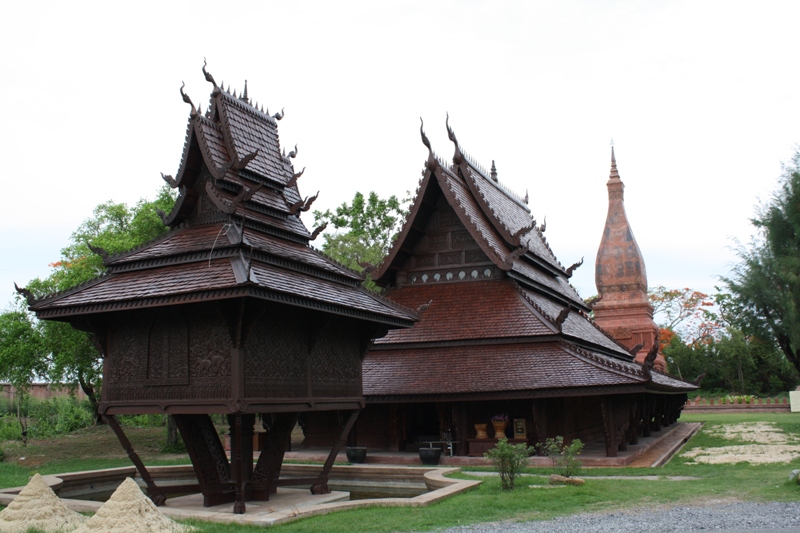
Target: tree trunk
column 786, row 347
column 172, row 433
column 88, row 389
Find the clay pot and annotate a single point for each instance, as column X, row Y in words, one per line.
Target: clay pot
column 430, row 456
column 356, row 454
column 480, row 431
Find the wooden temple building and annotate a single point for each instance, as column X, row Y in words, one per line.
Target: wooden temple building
column 231, row 311
column 501, row 332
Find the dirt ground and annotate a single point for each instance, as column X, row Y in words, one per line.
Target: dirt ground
column 761, row 443
column 96, row 441
column 101, row 443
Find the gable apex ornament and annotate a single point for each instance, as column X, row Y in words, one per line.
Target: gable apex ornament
column 188, row 100
column 458, row 157
column 209, row 77
column 431, row 164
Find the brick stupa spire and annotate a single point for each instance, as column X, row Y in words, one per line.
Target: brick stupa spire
column 621, row 279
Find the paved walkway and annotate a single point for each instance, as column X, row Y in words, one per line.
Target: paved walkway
column 651, row 451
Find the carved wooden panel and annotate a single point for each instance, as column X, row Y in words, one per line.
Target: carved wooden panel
column 336, row 360
column 441, row 252
column 126, row 347
column 451, row 258
column 170, row 354
column 275, row 357
column 448, row 217
column 168, row 349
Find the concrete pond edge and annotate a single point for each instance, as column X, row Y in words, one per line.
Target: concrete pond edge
column 439, row 486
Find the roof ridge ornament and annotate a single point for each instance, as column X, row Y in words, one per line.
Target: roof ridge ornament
column 562, row 317
column 188, row 100
column 493, row 175
column 209, row 77
column 244, row 98
column 574, row 266
column 319, row 229
column 173, row 183
column 98, row 250
column 277, row 116
column 432, row 163
column 649, row 361
column 424, row 307
column 458, row 157
column 27, row 294
column 293, row 180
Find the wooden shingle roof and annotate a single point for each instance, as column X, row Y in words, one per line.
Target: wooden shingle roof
column 235, row 232
column 509, row 325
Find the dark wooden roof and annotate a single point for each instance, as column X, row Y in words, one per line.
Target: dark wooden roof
column 517, row 370
column 498, row 315
column 235, row 231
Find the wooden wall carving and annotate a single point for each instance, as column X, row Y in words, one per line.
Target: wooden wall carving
column 336, row 356
column 168, row 349
column 276, row 358
column 168, row 354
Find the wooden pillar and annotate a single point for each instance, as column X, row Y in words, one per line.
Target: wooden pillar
column 462, row 429
column 609, row 426
column 394, row 428
column 268, row 467
column 208, row 457
column 241, row 426
column 540, row 420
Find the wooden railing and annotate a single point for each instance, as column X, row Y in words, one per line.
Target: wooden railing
column 745, row 404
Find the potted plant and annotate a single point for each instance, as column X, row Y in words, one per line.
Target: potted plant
column 356, row 454
column 430, row 456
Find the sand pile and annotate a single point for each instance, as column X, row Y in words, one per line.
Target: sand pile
column 37, row 506
column 128, row 510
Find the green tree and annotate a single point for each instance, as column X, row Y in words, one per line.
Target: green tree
column 54, row 350
column 765, row 285
column 363, row 230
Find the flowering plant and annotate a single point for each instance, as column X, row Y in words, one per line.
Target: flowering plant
column 500, row 418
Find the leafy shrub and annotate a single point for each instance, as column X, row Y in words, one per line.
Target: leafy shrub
column 744, row 398
column 509, row 460
column 142, row 421
column 10, row 428
column 563, row 456
column 56, row 415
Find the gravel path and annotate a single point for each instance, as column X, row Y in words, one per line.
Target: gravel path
column 739, row 516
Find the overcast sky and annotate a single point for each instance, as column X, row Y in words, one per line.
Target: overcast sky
column 700, row 99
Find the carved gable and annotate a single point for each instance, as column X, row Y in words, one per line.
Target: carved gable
column 446, row 252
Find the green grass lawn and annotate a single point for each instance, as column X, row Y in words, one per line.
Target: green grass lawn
column 487, row 503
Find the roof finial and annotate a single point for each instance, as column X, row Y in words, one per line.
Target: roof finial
column 431, row 163
column 244, row 94
column 209, row 77
column 614, row 172
column 494, row 172
column 458, row 157
column 188, row 100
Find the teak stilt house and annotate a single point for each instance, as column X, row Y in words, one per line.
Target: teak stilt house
column 231, row 311
column 501, row 331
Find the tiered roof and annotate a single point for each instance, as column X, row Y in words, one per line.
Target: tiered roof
column 234, row 231
column 499, row 320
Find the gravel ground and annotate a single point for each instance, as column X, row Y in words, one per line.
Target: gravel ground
column 739, row 516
